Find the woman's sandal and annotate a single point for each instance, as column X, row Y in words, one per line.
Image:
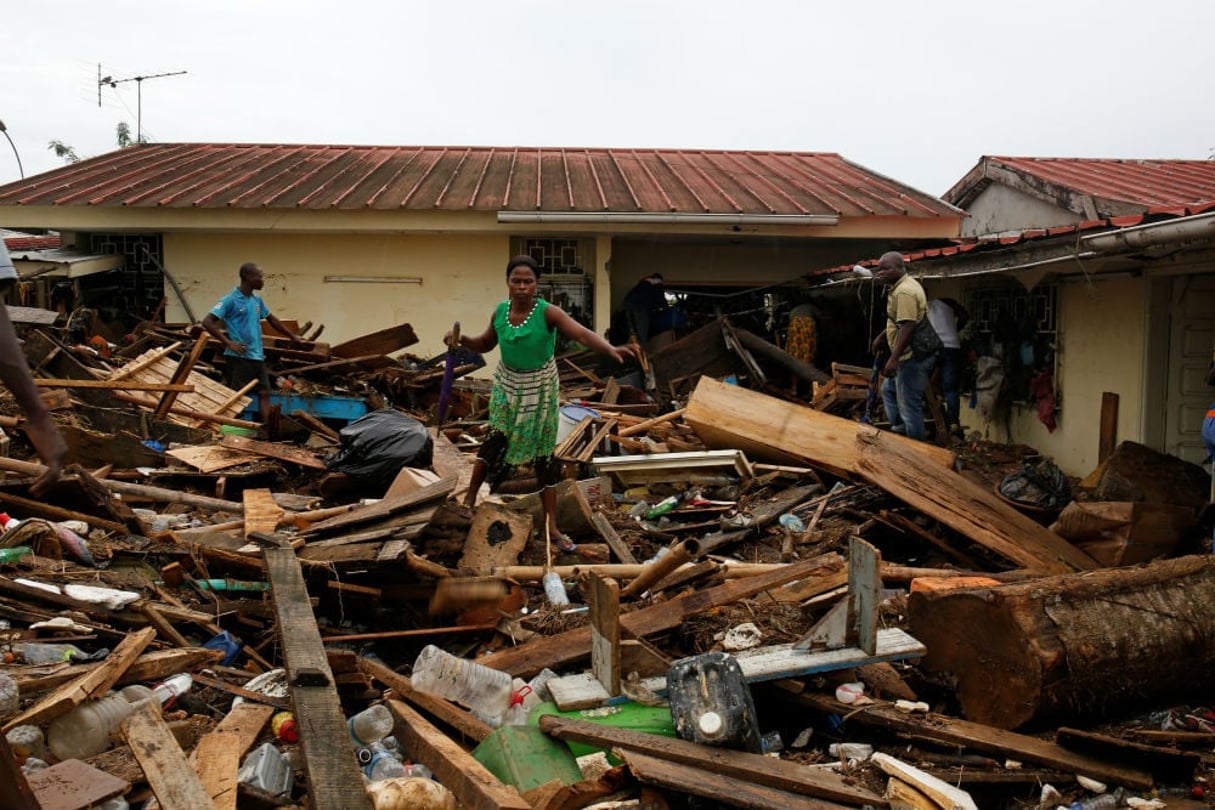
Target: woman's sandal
column 565, row 544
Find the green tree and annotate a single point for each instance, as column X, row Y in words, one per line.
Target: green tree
column 62, row 150
column 122, row 136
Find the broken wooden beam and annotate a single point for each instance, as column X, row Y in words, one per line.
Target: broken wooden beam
column 1073, row 645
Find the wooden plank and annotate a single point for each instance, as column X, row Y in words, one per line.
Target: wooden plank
column 951, row 732
column 562, row 649
column 262, row 514
column 216, row 761
column 120, row 385
column 1167, row 765
column 713, row 786
column 942, row 793
column 1107, row 433
column 385, row 508
column 315, row 424
column 581, row 691
column 780, row 774
column 602, row 525
column 605, row 632
column 474, row 787
column 152, row 666
column 92, row 684
column 181, row 374
column 71, row 785
column 964, row 506
column 276, row 450
column 335, row 781
column 496, row 537
column 15, row 792
column 383, row 341
column 772, row 430
column 211, row 458
column 163, row 762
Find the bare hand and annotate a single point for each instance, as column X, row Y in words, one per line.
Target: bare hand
column 449, row 340
column 51, row 448
column 237, row 347
column 891, row 367
column 630, row 350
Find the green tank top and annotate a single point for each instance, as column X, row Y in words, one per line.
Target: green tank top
column 529, row 345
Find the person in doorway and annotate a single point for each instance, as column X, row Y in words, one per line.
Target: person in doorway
column 15, row 374
column 802, row 340
column 240, row 312
column 524, row 400
column 906, row 376
column 949, row 318
column 1208, row 438
column 647, row 298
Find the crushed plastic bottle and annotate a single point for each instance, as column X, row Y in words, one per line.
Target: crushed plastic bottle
column 370, row 725
column 1106, row 801
column 14, row 553
column 485, row 691
column 85, row 731
column 383, row 765
column 39, row 652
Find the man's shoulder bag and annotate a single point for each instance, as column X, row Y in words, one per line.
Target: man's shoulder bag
column 924, row 339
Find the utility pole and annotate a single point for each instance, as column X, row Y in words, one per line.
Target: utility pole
column 112, row 82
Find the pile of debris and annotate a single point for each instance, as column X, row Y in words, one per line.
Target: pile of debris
column 771, row 603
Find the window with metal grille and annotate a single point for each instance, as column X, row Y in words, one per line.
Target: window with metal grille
column 555, row 256
column 1018, row 326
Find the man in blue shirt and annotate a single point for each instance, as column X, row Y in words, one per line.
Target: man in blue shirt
column 241, row 312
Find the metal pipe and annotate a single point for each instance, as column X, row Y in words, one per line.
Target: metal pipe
column 20, row 168
column 1182, row 229
column 672, row 218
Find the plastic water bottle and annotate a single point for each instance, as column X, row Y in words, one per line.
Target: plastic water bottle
column 38, row 652
column 1106, row 801
column 370, row 725
column 383, row 765
column 9, row 700
column 483, row 690
column 26, row 741
column 554, row 589
column 85, row 731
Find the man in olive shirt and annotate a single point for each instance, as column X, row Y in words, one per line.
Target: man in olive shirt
column 906, row 375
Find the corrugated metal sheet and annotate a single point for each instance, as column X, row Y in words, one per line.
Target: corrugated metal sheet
column 429, row 178
column 1164, row 185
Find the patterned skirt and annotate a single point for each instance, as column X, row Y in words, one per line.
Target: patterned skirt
column 802, row 342
column 525, row 407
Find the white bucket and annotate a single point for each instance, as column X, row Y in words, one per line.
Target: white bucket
column 569, row 418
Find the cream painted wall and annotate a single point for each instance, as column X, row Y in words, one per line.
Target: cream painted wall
column 1000, row 208
column 463, row 277
column 1101, row 348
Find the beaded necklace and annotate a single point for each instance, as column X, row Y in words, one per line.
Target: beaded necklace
column 523, row 323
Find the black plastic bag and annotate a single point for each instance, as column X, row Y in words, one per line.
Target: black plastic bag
column 375, row 447
column 1043, row 485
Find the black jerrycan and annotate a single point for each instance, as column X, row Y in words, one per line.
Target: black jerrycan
column 711, row 704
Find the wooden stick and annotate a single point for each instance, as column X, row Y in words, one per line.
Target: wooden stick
column 423, row 631
column 59, row 513
column 236, row 396
column 177, row 410
column 111, row 385
column 642, row 427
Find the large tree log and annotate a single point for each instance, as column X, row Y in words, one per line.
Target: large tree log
column 1078, row 645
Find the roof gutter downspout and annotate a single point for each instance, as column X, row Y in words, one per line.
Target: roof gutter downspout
column 1184, row 229
column 672, row 218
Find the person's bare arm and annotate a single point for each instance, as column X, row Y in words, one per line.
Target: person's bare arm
column 281, row 327
column 487, row 341
column 212, row 324
column 39, row 427
column 559, row 319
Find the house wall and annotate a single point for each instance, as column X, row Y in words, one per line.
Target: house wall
column 1102, row 334
column 1000, row 208
column 462, row 279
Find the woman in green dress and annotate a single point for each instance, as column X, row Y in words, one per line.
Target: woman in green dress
column 524, row 404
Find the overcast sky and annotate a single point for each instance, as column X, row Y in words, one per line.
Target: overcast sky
column 916, row 91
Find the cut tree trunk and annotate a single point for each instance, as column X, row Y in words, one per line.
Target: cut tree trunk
column 1075, row 646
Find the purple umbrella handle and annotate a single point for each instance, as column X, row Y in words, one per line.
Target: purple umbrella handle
column 449, row 373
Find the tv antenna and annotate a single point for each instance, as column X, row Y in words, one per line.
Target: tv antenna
column 102, row 81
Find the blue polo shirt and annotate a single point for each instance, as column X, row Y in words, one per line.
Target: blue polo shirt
column 242, row 315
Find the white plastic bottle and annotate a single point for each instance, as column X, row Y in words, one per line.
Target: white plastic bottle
column 483, row 690
column 86, row 730
column 370, row 725
column 27, row 741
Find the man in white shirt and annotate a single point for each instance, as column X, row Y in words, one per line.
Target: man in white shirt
column 948, row 318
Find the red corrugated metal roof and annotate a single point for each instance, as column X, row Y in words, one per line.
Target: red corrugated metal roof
column 427, row 178
column 1003, row 240
column 25, row 241
column 1166, row 186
